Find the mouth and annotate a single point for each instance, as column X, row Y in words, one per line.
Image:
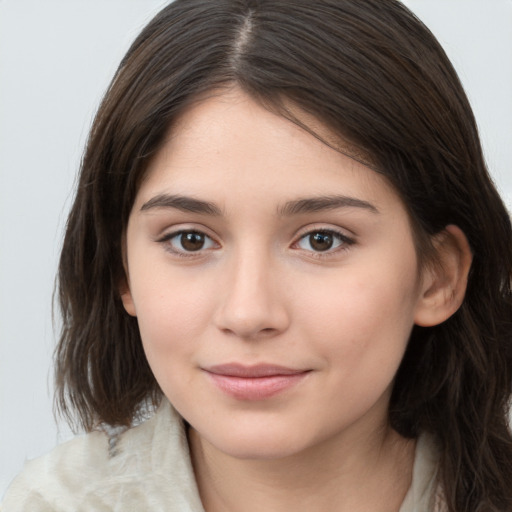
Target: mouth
column 257, row 382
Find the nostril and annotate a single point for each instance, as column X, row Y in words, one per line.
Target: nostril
column 251, row 334
column 251, row 309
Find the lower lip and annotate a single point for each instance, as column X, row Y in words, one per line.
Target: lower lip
column 256, row 388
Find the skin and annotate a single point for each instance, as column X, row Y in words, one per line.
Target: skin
column 260, row 291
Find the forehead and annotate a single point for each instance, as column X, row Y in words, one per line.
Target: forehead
column 228, row 142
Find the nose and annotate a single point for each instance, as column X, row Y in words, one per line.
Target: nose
column 252, row 301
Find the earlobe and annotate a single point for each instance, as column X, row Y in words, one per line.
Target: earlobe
column 444, row 283
column 126, row 297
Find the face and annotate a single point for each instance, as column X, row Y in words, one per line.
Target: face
column 275, row 282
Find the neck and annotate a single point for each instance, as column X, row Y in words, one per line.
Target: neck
column 357, row 473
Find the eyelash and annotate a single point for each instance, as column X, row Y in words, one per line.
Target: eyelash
column 344, row 242
column 166, row 240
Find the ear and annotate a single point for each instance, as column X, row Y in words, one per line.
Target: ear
column 126, row 297
column 124, row 286
column 445, row 281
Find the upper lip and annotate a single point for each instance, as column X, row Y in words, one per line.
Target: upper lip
column 251, row 371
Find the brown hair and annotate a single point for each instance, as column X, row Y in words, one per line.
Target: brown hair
column 375, row 75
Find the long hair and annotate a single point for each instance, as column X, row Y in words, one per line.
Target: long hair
column 374, row 74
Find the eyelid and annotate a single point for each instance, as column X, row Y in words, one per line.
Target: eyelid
column 175, row 231
column 184, row 227
column 341, row 234
column 347, row 240
column 326, row 228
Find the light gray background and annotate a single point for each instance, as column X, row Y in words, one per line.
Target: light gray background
column 56, row 59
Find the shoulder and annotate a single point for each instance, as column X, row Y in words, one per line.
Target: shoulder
column 144, row 468
column 49, row 480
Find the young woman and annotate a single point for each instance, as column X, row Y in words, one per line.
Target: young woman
column 285, row 249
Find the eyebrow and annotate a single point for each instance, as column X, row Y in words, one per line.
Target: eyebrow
column 323, row 203
column 183, row 203
column 299, row 206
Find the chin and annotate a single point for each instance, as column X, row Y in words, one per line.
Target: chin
column 260, row 449
column 263, row 443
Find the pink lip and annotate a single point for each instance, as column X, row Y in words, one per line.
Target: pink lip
column 254, row 382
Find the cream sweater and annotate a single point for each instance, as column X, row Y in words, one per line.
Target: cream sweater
column 147, row 469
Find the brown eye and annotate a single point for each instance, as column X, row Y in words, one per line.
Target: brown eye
column 324, row 241
column 321, row 241
column 184, row 242
column 192, row 241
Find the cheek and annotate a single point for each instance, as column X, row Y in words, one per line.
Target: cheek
column 170, row 328
column 364, row 318
column 172, row 311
